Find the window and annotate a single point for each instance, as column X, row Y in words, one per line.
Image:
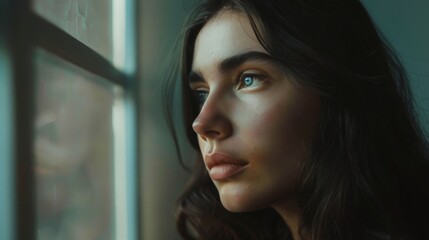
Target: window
column 68, row 94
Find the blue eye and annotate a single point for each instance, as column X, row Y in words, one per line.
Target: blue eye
column 250, row 80
column 200, row 97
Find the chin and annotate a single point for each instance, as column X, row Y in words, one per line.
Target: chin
column 239, row 200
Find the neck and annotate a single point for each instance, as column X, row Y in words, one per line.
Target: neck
column 292, row 217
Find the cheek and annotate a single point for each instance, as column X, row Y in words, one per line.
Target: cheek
column 291, row 121
column 274, row 125
column 272, row 140
column 280, row 134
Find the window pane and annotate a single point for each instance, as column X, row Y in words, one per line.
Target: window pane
column 74, row 152
column 89, row 21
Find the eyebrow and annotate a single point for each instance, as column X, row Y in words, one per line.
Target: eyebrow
column 234, row 62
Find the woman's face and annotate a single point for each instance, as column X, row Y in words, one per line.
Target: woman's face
column 255, row 126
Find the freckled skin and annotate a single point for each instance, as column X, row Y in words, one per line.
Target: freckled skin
column 270, row 126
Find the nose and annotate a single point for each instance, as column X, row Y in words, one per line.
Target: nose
column 213, row 122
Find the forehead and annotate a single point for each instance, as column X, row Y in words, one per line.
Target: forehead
column 226, row 34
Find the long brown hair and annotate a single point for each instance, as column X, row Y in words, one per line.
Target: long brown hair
column 368, row 176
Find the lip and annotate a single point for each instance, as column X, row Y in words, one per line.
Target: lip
column 222, row 166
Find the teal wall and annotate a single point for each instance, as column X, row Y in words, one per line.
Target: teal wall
column 6, row 144
column 7, row 175
column 405, row 24
column 162, row 178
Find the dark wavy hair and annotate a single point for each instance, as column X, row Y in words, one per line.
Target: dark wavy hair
column 368, row 175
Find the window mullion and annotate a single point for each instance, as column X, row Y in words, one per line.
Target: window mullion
column 55, row 40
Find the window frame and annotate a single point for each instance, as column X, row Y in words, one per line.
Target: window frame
column 23, row 31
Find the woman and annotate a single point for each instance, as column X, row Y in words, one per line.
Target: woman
column 305, row 124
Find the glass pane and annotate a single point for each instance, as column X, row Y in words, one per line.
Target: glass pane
column 74, row 152
column 89, row 21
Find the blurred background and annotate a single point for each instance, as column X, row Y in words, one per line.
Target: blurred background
column 85, row 152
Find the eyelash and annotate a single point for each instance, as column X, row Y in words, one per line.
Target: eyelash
column 200, row 96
